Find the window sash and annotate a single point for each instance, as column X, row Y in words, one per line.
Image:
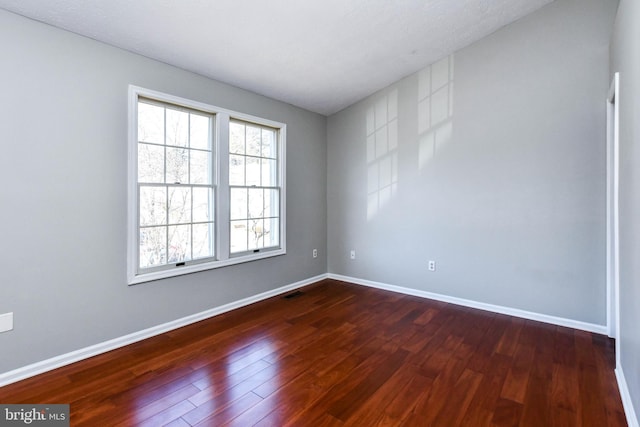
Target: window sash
column 167, row 223
column 259, row 221
column 169, row 128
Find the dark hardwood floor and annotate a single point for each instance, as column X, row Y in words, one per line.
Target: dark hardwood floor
column 344, row 355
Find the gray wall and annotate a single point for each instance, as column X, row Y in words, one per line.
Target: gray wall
column 625, row 58
column 63, row 170
column 504, row 186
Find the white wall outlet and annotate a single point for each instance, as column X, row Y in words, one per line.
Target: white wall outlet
column 315, row 253
column 432, row 266
column 353, row 254
column 6, row 322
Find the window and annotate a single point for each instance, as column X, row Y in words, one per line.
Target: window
column 205, row 187
column 175, row 185
column 253, row 187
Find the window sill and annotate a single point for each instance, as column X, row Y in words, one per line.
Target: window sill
column 135, row 279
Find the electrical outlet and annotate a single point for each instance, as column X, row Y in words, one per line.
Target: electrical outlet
column 353, row 254
column 432, row 266
column 6, row 322
column 315, row 253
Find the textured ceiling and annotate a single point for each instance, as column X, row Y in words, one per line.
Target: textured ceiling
column 321, row 55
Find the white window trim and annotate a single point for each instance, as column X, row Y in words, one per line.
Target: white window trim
column 221, row 210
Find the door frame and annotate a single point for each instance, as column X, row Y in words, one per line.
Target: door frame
column 613, row 234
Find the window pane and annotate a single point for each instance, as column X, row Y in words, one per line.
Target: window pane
column 271, row 203
column 153, row 244
column 238, row 236
column 238, row 203
column 202, row 204
column 150, row 163
column 179, row 243
column 236, row 170
column 236, row 138
column 177, row 127
column 269, row 173
column 272, row 232
column 256, row 233
column 256, row 203
column 200, row 167
column 253, row 141
column 179, row 205
column 202, row 240
column 177, row 165
column 150, row 123
column 199, row 137
column 253, row 171
column 269, row 143
column 153, row 205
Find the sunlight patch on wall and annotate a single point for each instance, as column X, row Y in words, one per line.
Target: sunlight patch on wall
column 435, row 109
column 382, row 152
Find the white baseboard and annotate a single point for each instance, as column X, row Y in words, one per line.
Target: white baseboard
column 84, row 353
column 575, row 324
column 94, row 350
column 627, row 403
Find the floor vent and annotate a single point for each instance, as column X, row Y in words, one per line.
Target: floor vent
column 293, row 295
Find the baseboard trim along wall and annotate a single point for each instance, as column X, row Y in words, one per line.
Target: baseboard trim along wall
column 94, row 350
column 627, row 403
column 575, row 324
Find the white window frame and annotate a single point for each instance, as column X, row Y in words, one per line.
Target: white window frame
column 249, row 187
column 221, row 214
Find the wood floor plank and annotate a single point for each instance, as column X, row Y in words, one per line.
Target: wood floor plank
column 291, row 400
column 515, row 385
column 368, row 412
column 231, row 411
column 164, row 417
column 161, row 404
column 507, row 413
column 431, row 403
column 484, row 401
column 241, row 382
column 456, row 406
column 608, row 382
column 340, row 354
column 564, row 387
column 178, row 422
column 361, row 383
column 509, row 340
column 537, row 408
column 406, row 397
